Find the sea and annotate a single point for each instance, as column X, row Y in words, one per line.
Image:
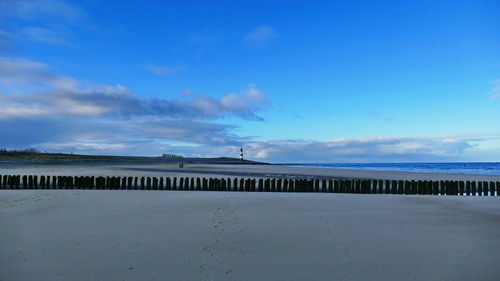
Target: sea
column 484, row 168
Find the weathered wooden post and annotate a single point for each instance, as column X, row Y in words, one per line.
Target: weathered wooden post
column 261, row 185
column 204, row 184
column 316, row 185
column 210, row 184
column 435, row 187
column 174, row 183
column 430, row 188
column 143, row 183
column 336, row 186
column 285, row 185
column 235, row 184
column 25, row 181
column 223, row 186
column 467, row 188
column 267, row 185
column 330, row 186
column 278, row 185
column 473, row 188
column 407, row 187
column 168, row 184
column 181, row 183
column 35, row 182
column 130, row 181
column 486, row 188
column 42, row 182
column 30, row 182
column 357, row 188
column 247, row 185
column 155, row 183
column 387, row 188
column 341, row 186
column 273, row 185
column 198, row 184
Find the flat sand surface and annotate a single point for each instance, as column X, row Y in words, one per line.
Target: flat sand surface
column 221, row 170
column 174, row 235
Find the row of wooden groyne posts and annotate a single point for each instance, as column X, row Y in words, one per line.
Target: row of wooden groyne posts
column 364, row 186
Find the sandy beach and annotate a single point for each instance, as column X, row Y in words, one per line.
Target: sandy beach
column 175, row 235
column 221, row 170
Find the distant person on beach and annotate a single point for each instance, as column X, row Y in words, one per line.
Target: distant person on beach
column 181, row 165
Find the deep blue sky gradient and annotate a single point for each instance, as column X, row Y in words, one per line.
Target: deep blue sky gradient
column 330, row 69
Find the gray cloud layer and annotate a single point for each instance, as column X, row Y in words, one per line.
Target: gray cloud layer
column 39, row 108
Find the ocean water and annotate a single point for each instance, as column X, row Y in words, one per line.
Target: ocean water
column 485, row 168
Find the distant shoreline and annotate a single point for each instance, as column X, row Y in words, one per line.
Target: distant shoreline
column 218, row 170
column 480, row 168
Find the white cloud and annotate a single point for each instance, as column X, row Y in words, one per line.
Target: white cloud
column 43, row 35
column 162, row 70
column 65, row 114
column 495, row 93
column 42, row 21
column 30, row 9
column 66, row 110
column 260, row 35
column 373, row 149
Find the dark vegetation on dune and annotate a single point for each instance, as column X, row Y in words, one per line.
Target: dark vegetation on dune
column 34, row 155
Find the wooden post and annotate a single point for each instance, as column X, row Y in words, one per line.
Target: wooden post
column 198, row 184
column 261, row 185
column 473, row 188
column 204, row 184
column 335, row 186
column 480, row 188
column 467, row 188
column 143, row 183
column 223, row 186
column 210, row 184
column 235, row 184
column 291, row 185
column 387, row 187
column 357, row 186
column 155, row 183
column 247, row 185
column 486, row 188
column 285, row 185
column 181, row 183
column 174, row 183
column 278, row 185
column 168, row 184
column 267, row 185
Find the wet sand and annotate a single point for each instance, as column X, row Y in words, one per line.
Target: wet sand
column 174, row 235
column 221, row 170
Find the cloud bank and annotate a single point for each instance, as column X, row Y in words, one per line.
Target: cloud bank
column 57, row 113
column 40, row 108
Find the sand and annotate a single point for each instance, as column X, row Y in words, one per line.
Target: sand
column 221, row 170
column 174, row 235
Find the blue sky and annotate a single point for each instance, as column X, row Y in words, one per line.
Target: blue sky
column 290, row 81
